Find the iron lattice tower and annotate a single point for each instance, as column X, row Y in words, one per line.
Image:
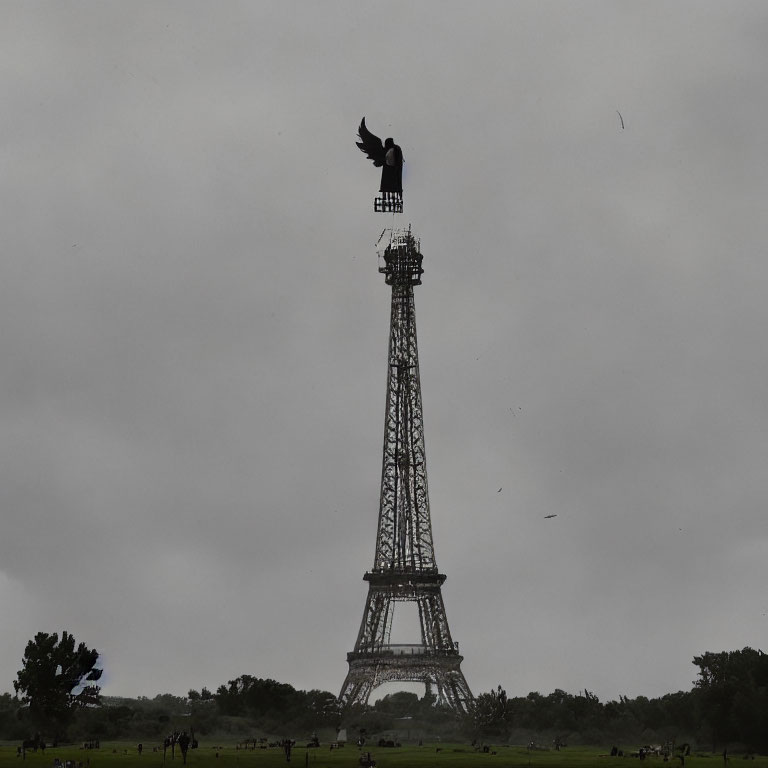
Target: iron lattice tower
column 404, row 567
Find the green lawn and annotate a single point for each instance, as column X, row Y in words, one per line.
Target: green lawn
column 124, row 755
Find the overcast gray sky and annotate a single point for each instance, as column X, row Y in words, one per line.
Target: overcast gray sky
column 192, row 353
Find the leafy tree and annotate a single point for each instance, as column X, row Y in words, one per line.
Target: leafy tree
column 492, row 714
column 399, row 704
column 57, row 678
column 734, row 695
column 323, row 707
column 10, row 725
column 255, row 696
column 274, row 705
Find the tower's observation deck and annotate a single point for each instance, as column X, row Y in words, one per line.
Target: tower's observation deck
column 404, row 568
column 401, row 260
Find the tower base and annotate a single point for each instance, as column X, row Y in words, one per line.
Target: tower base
column 435, row 661
column 440, row 672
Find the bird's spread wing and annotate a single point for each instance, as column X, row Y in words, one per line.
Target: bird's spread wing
column 371, row 145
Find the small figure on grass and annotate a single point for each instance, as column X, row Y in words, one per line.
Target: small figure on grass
column 184, row 742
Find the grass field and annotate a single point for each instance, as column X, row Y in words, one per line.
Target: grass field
column 124, row 755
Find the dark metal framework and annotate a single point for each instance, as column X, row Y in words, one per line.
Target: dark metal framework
column 388, row 202
column 404, row 568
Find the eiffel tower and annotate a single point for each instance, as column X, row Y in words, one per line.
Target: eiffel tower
column 404, row 567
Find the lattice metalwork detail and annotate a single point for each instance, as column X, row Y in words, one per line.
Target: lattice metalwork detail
column 404, row 567
column 388, row 202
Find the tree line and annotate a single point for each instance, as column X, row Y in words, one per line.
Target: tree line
column 57, row 696
column 728, row 704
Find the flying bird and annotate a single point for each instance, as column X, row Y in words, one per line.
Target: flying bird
column 387, row 155
column 621, row 119
column 499, row 491
column 546, row 517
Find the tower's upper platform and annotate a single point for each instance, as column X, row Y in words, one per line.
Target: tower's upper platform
column 405, row 578
column 400, row 260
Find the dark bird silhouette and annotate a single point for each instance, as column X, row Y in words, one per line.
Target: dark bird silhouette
column 499, row 491
column 546, row 517
column 620, row 118
column 388, row 156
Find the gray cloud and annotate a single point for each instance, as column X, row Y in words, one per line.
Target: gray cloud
column 193, row 375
